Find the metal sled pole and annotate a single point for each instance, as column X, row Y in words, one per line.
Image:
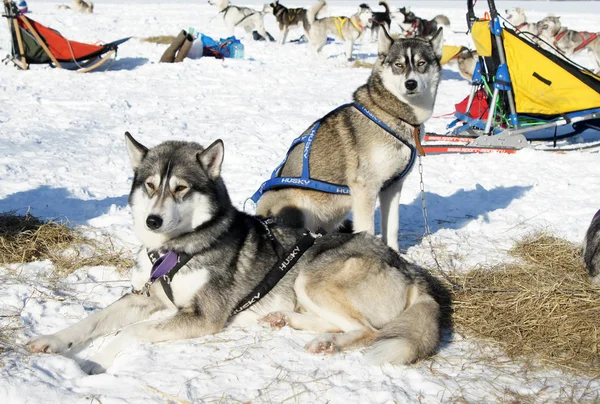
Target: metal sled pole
column 492, row 113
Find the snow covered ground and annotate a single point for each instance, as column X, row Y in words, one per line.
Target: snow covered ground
column 62, row 155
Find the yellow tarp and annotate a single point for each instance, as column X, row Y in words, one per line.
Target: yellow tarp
column 449, row 52
column 482, row 37
column 542, row 86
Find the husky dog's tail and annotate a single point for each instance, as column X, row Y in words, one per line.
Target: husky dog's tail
column 442, row 20
column 387, row 8
column 413, row 335
column 311, row 14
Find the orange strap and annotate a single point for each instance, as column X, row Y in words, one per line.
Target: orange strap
column 418, row 141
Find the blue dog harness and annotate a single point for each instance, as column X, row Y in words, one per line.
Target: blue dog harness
column 304, row 181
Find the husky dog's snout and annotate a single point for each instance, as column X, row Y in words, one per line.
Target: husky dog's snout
column 154, row 222
column 411, row 85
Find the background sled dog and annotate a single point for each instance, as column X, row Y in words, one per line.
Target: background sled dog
column 413, row 25
column 288, row 18
column 516, row 16
column 591, row 249
column 378, row 18
column 568, row 41
column 79, row 5
column 244, row 17
column 350, row 287
column 350, row 149
column 348, row 29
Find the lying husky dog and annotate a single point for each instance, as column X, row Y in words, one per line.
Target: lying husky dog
column 350, row 287
column 378, row 18
column 79, row 5
column 568, row 41
column 591, row 249
column 348, row 29
column 516, row 16
column 349, row 147
column 417, row 26
column 242, row 17
column 287, row 18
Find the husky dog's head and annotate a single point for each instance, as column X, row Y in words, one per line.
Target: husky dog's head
column 364, row 15
column 516, row 16
column 404, row 18
column 270, row 8
column 549, row 26
column 364, row 6
column 221, row 4
column 410, row 70
column 176, row 188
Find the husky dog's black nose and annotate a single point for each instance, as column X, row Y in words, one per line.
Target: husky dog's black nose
column 411, row 85
column 153, row 222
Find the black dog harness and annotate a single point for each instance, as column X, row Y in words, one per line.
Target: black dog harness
column 166, row 266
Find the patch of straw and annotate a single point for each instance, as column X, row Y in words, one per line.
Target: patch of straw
column 542, row 306
column 159, row 39
column 27, row 238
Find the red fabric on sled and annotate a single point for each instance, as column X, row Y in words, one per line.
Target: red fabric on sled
column 62, row 48
column 479, row 107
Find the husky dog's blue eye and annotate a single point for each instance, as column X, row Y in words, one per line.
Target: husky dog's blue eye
column 421, row 63
column 399, row 65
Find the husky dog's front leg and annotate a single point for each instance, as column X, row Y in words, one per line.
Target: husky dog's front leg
column 349, row 49
column 128, row 309
column 363, row 208
column 389, row 199
column 182, row 325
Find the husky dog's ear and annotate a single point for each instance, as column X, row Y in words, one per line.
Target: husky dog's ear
column 136, row 150
column 211, row 159
column 437, row 43
column 385, row 41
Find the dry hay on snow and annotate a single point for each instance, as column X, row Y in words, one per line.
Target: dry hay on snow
column 160, row 39
column 27, row 238
column 541, row 307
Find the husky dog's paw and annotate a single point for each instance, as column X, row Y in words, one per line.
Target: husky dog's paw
column 275, row 320
column 48, row 344
column 323, row 344
column 92, row 368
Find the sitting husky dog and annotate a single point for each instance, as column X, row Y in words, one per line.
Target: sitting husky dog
column 243, row 17
column 350, row 287
column 591, row 249
column 516, row 16
column 568, row 41
column 417, row 26
column 379, row 18
column 349, row 148
column 287, row 18
column 348, row 29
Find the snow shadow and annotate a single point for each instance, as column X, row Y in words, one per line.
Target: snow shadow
column 450, row 212
column 126, row 64
column 448, row 74
column 58, row 203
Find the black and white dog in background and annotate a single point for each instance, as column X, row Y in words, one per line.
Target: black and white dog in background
column 379, row 18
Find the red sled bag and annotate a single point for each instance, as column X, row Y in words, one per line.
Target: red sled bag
column 479, row 107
